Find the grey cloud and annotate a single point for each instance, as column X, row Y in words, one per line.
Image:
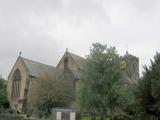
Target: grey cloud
column 19, row 6
column 42, row 29
column 145, row 5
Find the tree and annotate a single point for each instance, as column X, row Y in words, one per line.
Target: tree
column 100, row 77
column 149, row 95
column 49, row 92
column 127, row 98
column 3, row 94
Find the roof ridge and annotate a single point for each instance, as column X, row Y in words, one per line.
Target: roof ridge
column 76, row 55
column 37, row 62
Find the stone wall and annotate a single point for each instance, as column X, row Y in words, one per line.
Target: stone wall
column 11, row 117
column 14, row 117
column 20, row 66
column 132, row 66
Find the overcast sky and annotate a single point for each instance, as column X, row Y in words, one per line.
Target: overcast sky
column 43, row 29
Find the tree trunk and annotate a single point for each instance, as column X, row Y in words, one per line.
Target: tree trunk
column 93, row 115
column 103, row 114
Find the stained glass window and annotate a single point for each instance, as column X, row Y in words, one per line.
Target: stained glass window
column 16, row 84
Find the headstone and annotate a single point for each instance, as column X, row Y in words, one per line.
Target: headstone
column 58, row 116
column 72, row 115
column 63, row 114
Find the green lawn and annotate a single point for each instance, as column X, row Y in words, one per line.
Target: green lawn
column 97, row 118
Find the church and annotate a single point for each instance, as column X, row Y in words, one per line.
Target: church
column 24, row 72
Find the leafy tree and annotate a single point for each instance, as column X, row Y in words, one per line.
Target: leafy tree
column 149, row 95
column 127, row 98
column 100, row 78
column 3, row 94
column 49, row 93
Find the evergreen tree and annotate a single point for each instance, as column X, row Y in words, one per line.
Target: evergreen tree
column 149, row 95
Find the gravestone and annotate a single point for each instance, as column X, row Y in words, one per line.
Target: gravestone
column 63, row 114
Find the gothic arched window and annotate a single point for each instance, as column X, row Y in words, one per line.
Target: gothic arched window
column 16, row 84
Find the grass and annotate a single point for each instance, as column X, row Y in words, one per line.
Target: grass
column 97, row 118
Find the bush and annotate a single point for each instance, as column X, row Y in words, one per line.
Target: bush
column 3, row 94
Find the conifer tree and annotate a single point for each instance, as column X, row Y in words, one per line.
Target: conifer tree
column 149, row 94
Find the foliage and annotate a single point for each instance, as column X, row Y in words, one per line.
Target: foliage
column 100, row 76
column 3, row 94
column 149, row 95
column 49, row 93
column 127, row 98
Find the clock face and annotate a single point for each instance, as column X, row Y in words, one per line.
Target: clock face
column 123, row 65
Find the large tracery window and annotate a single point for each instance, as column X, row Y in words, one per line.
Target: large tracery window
column 16, row 84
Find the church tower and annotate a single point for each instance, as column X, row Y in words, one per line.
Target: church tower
column 132, row 66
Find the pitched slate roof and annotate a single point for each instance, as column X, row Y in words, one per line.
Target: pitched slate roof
column 79, row 60
column 37, row 69
column 125, row 79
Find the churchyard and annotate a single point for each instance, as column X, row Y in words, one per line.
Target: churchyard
column 106, row 86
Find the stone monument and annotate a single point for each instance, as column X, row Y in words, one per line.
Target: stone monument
column 63, row 114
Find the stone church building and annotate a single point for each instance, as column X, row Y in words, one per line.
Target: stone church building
column 24, row 72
